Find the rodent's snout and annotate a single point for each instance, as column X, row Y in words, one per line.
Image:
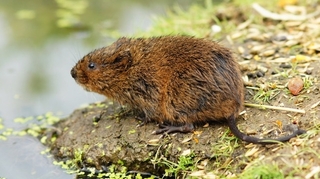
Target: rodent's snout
column 73, row 73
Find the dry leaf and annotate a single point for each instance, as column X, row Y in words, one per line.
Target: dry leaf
column 279, row 124
column 251, row 152
column 282, row 3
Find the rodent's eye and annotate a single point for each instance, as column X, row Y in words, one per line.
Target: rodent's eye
column 92, row 65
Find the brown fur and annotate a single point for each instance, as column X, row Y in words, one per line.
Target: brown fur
column 175, row 80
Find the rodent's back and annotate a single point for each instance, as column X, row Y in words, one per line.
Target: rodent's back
column 171, row 79
column 197, row 78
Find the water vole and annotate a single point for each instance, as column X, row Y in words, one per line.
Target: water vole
column 177, row 81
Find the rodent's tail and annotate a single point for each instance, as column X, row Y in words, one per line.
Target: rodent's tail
column 235, row 130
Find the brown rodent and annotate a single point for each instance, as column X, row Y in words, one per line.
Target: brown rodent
column 177, row 81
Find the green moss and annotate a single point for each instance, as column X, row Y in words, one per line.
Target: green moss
column 35, row 126
column 21, row 133
column 101, row 105
column 45, row 152
column 7, row 132
column 43, row 139
column 1, row 124
column 2, row 137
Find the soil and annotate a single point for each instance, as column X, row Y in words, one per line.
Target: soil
column 107, row 133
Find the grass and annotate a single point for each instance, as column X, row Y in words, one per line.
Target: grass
column 262, row 171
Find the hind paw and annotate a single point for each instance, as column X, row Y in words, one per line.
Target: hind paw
column 167, row 129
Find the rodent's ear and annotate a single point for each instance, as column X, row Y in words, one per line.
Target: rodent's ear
column 123, row 59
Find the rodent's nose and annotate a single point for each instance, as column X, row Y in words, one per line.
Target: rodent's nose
column 73, row 73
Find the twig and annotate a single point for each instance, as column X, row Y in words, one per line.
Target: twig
column 315, row 105
column 285, row 17
column 275, row 107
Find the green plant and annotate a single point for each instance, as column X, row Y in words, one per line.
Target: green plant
column 223, row 149
column 307, row 82
column 266, row 92
column 262, row 172
column 185, row 164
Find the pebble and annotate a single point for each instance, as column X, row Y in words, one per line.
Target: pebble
column 295, row 85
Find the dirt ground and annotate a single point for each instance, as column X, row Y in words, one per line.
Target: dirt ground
column 271, row 52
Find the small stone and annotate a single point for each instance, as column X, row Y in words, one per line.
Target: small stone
column 308, row 72
column 256, row 49
column 279, row 38
column 215, row 28
column 291, row 43
column 260, row 74
column 241, row 49
column 295, row 85
column 268, row 53
column 285, row 65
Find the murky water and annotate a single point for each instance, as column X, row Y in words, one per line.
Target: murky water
column 36, row 56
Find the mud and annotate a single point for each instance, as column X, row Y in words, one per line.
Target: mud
column 107, row 133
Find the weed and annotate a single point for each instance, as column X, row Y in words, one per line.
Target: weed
column 266, row 92
column 223, row 149
column 307, row 82
column 185, row 164
column 262, row 172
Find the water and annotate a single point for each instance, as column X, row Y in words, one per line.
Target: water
column 35, row 61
